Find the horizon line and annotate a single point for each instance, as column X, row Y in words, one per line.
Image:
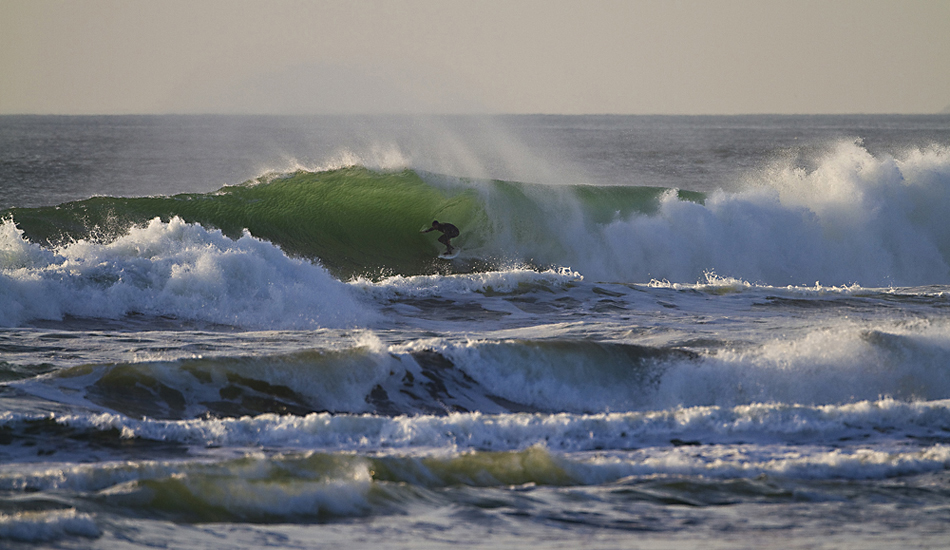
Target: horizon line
column 461, row 114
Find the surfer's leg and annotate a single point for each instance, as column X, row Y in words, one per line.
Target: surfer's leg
column 445, row 239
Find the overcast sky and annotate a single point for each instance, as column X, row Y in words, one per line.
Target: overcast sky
column 505, row 56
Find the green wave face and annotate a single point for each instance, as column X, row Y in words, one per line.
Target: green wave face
column 360, row 222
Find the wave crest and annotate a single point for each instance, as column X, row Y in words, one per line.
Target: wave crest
column 854, row 218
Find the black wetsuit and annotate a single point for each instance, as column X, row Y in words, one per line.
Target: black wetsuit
column 449, row 232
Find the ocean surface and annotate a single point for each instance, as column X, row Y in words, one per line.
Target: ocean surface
column 661, row 332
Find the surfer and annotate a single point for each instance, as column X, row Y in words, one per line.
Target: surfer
column 449, row 232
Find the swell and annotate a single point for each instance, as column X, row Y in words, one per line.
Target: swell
column 350, row 469
column 373, row 379
column 531, row 485
column 547, row 375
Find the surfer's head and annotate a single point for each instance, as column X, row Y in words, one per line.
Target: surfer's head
column 435, row 224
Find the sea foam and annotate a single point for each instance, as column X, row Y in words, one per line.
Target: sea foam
column 47, row 526
column 171, row 269
column 856, row 218
column 761, row 423
column 744, row 441
column 853, row 218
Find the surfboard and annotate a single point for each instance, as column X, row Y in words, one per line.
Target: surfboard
column 448, row 256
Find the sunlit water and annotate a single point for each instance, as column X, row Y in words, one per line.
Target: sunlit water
column 763, row 362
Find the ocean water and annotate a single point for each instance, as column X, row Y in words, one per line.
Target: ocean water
column 661, row 332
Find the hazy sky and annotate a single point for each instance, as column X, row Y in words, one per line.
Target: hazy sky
column 510, row 56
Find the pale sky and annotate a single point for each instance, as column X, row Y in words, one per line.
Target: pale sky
column 497, row 56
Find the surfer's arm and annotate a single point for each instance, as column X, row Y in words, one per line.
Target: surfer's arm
column 427, row 230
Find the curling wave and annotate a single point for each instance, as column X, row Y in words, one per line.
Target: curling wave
column 853, row 218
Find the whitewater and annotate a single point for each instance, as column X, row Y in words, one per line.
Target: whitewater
column 230, row 332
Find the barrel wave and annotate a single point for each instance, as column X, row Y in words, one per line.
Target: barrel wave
column 357, row 221
column 854, row 218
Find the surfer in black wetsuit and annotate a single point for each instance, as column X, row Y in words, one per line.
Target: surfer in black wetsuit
column 449, row 232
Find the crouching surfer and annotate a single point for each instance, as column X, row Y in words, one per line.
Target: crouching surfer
column 449, row 232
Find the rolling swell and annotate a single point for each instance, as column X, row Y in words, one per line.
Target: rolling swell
column 493, row 378
column 356, row 221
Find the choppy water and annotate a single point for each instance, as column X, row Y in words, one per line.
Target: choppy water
column 229, row 332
